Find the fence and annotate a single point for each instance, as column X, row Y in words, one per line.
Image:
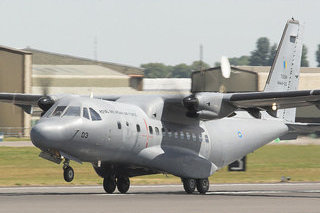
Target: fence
column 15, row 132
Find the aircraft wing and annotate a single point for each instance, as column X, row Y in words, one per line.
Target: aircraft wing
column 265, row 100
column 20, row 99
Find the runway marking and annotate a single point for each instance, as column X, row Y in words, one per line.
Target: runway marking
column 264, row 192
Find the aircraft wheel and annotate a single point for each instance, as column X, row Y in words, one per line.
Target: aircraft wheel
column 123, row 184
column 68, row 173
column 109, row 184
column 203, row 185
column 189, row 185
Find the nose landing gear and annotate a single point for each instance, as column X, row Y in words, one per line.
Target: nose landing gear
column 68, row 172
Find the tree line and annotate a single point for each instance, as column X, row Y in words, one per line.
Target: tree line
column 263, row 55
column 160, row 70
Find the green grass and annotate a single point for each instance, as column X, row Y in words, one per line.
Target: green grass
column 21, row 166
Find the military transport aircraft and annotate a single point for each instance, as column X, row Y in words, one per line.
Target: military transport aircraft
column 188, row 136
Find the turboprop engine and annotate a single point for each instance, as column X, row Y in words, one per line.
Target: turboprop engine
column 208, row 105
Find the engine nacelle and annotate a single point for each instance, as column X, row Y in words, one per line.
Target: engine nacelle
column 208, row 105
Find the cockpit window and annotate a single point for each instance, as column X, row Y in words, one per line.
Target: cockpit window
column 86, row 113
column 73, row 111
column 58, row 111
column 94, row 115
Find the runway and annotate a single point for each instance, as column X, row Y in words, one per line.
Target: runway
column 279, row 197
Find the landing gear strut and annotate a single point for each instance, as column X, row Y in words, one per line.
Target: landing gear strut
column 68, row 172
column 190, row 184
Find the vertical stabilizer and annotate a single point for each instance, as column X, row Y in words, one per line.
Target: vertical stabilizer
column 285, row 70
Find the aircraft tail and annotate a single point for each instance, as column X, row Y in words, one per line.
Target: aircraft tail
column 285, row 70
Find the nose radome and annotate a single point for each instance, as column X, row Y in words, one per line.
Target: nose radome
column 45, row 135
column 37, row 135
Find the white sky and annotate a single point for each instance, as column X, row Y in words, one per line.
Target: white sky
column 141, row 31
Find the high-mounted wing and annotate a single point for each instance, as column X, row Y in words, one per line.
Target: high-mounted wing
column 20, row 99
column 28, row 101
column 274, row 100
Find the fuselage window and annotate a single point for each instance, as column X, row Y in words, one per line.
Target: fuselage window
column 49, row 112
column 169, row 133
column 176, row 135
column 72, row 111
column 127, row 123
column 85, row 113
column 200, row 138
column 206, row 138
column 138, row 128
column 194, row 137
column 156, row 130
column 181, row 135
column 188, row 136
column 94, row 115
column 119, row 125
column 150, row 130
column 58, row 111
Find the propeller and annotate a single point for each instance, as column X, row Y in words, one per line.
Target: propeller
column 45, row 102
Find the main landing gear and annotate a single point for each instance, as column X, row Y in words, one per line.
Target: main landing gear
column 111, row 182
column 190, row 184
column 68, row 172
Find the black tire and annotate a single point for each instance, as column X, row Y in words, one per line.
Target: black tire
column 202, row 185
column 123, row 184
column 68, row 174
column 109, row 184
column 189, row 185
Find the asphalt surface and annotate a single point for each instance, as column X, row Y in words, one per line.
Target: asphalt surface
column 279, row 197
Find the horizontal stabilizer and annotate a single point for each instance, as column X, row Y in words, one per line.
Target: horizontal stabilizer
column 303, row 128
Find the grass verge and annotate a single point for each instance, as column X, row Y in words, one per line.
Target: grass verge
column 21, row 166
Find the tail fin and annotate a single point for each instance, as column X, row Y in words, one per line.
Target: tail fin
column 285, row 70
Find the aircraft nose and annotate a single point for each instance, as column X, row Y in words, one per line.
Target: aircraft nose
column 45, row 135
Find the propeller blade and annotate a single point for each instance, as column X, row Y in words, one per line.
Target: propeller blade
column 225, row 67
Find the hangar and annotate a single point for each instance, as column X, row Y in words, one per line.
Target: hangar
column 39, row 72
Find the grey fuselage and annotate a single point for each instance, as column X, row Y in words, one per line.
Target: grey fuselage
column 127, row 135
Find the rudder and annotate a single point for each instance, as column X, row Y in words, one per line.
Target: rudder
column 285, row 70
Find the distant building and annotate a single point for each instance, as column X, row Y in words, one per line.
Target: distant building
column 39, row 72
column 253, row 78
column 166, row 84
column 309, row 76
column 309, row 80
